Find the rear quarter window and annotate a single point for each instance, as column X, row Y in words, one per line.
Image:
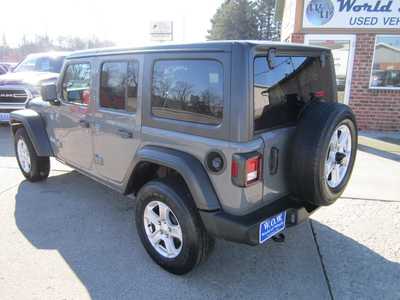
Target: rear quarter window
column 188, row 90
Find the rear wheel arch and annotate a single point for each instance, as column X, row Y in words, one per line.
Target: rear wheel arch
column 153, row 162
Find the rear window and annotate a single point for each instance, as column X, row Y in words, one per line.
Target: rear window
column 118, row 86
column 188, row 90
column 282, row 89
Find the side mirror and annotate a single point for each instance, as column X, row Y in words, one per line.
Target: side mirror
column 49, row 92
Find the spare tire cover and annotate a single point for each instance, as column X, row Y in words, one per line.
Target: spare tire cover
column 323, row 153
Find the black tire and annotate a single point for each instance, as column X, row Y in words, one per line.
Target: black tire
column 196, row 245
column 310, row 149
column 40, row 166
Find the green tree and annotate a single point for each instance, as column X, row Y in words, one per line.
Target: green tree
column 268, row 25
column 245, row 19
column 235, row 19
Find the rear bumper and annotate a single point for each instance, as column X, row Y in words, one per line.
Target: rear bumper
column 245, row 229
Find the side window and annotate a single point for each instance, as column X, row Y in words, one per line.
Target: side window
column 188, row 90
column 118, row 87
column 76, row 83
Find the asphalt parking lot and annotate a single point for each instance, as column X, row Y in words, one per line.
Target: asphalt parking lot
column 72, row 238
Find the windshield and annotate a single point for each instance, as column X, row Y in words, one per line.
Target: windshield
column 40, row 64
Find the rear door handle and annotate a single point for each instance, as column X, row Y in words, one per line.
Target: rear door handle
column 125, row 134
column 84, row 123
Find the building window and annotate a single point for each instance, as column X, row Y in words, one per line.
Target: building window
column 76, row 84
column 118, row 88
column 188, row 90
column 386, row 65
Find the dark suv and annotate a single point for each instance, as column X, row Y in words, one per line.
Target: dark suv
column 24, row 81
column 236, row 140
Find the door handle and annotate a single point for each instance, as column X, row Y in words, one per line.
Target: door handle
column 125, row 134
column 84, row 123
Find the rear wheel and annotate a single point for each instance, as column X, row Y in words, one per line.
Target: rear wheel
column 33, row 167
column 169, row 226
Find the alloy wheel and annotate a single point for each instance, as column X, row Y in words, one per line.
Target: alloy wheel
column 163, row 229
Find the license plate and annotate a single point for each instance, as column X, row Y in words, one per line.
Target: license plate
column 4, row 117
column 272, row 226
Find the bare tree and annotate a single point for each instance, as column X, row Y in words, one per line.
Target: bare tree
column 43, row 43
column 182, row 90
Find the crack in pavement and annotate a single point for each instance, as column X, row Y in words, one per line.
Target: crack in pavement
column 371, row 199
column 321, row 260
column 9, row 188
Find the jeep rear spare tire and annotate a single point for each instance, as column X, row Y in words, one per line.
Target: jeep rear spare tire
column 323, row 153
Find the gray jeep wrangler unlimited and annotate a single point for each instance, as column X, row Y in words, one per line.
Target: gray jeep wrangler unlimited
column 235, row 140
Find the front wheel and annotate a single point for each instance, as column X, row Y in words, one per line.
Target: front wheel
column 33, row 167
column 169, row 226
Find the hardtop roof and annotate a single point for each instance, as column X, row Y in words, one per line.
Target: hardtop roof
column 221, row 46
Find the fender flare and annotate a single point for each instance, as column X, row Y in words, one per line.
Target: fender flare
column 35, row 128
column 189, row 167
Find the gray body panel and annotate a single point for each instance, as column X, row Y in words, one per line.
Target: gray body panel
column 102, row 153
column 112, row 127
column 233, row 199
column 276, row 183
column 189, row 167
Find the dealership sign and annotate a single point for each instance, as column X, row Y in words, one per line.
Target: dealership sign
column 351, row 14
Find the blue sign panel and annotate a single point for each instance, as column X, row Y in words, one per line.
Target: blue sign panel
column 272, row 226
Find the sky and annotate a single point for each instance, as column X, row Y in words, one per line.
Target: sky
column 123, row 22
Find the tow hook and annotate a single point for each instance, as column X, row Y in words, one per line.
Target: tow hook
column 279, row 238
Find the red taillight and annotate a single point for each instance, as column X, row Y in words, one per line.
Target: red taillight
column 234, row 169
column 246, row 168
column 252, row 169
column 319, row 94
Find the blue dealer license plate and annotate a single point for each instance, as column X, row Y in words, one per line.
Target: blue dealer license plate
column 272, row 226
column 4, row 117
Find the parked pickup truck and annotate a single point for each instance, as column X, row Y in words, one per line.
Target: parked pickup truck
column 23, row 82
column 235, row 140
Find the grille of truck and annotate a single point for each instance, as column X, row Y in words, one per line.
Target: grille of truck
column 13, row 96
